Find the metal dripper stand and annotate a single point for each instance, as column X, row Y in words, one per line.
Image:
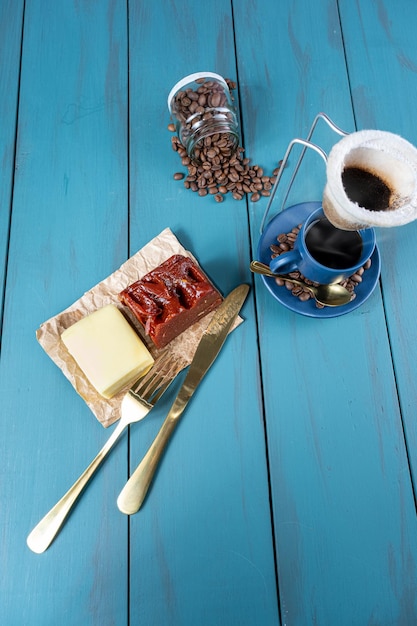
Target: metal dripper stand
column 306, row 143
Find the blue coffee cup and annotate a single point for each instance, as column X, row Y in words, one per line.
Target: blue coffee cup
column 326, row 254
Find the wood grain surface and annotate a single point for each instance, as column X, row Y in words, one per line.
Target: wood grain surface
column 286, row 496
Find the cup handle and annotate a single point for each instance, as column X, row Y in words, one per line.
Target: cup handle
column 285, row 263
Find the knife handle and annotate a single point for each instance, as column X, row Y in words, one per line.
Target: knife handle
column 133, row 493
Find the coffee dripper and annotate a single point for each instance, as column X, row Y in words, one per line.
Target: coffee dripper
column 371, row 178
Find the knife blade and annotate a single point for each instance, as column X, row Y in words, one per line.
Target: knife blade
column 134, row 492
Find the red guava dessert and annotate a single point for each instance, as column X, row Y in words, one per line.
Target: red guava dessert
column 171, row 298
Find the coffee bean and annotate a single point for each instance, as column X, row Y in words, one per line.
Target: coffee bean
column 175, row 143
column 178, row 176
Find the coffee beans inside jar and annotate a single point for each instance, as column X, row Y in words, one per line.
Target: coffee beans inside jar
column 202, row 105
column 207, row 141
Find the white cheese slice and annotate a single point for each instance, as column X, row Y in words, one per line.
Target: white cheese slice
column 108, row 350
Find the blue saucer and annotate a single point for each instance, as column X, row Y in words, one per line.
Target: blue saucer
column 283, row 223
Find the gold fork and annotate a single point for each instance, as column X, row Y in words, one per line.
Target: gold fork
column 136, row 404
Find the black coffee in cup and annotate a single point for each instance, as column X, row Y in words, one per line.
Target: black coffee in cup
column 333, row 247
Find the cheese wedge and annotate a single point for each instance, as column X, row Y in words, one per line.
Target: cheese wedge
column 108, row 350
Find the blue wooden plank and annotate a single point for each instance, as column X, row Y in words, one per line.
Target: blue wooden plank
column 69, row 231
column 204, row 532
column 11, row 17
column 343, row 503
column 384, row 96
column 201, row 549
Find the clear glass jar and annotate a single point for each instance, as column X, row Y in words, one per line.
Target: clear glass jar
column 201, row 106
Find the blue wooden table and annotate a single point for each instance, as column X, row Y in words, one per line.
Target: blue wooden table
column 287, row 495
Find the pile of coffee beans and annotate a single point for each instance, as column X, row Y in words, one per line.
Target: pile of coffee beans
column 285, row 242
column 218, row 167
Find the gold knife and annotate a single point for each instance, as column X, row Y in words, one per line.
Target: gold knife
column 133, row 494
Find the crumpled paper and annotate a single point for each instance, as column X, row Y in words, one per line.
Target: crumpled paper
column 106, row 292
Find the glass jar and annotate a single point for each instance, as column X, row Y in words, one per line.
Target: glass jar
column 201, row 106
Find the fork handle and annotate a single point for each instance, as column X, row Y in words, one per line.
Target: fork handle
column 46, row 530
column 133, row 493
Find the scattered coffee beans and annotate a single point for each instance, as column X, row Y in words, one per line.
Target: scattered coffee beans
column 218, row 167
column 285, row 242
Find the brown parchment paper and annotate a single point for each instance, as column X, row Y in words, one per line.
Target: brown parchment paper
column 49, row 333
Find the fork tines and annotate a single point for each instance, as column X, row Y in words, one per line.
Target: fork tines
column 157, row 380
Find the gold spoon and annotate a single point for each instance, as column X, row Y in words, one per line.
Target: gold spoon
column 328, row 295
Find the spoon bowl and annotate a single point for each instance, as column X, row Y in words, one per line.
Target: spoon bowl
column 327, row 295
